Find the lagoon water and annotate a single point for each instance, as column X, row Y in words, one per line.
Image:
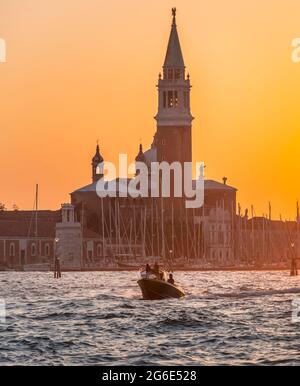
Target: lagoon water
column 240, row 318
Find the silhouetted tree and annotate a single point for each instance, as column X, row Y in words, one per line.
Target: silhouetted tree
column 2, row 207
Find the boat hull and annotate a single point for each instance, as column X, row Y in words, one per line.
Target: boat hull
column 153, row 289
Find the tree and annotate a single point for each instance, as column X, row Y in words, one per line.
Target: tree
column 2, row 207
column 15, row 208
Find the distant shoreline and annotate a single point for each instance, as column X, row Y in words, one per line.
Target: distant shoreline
column 235, row 269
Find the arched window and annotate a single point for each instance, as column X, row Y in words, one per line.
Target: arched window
column 47, row 250
column 99, row 169
column 33, row 249
column 99, row 250
column 170, row 73
column 12, row 250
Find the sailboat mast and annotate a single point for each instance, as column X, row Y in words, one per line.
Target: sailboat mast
column 103, row 235
column 173, row 246
column 36, row 209
column 162, row 228
column 252, row 231
column 298, row 239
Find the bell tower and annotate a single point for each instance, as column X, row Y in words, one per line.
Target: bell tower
column 174, row 119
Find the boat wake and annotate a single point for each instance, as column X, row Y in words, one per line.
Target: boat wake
column 245, row 293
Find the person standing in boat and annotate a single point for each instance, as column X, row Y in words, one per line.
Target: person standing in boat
column 148, row 269
column 156, row 269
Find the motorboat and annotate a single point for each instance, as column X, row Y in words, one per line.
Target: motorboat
column 154, row 286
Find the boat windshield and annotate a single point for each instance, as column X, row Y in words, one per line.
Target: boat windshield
column 161, row 275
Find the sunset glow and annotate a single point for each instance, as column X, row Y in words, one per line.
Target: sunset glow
column 77, row 71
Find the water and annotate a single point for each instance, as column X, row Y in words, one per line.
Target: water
column 100, row 319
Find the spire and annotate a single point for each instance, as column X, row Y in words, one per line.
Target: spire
column 97, row 165
column 97, row 157
column 174, row 56
column 141, row 156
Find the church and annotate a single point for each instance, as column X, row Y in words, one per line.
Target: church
column 204, row 232
column 115, row 232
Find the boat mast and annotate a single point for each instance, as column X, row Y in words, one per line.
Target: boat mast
column 252, row 231
column 103, row 235
column 36, row 209
column 152, row 229
column 298, row 239
column 173, row 246
column 162, row 228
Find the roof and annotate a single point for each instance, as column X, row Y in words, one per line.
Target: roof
column 174, row 57
column 151, row 155
column 97, row 157
column 215, row 185
column 141, row 156
column 121, row 183
column 121, row 186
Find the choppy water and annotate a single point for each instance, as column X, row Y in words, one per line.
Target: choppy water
column 99, row 318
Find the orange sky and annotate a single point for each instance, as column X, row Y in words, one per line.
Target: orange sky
column 78, row 70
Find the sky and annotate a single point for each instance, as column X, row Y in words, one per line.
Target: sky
column 82, row 70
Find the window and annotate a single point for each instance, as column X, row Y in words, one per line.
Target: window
column 99, row 250
column 221, row 237
column 170, row 99
column 178, row 74
column 185, row 96
column 176, row 98
column 33, row 250
column 170, row 74
column 68, row 216
column 165, row 99
column 99, row 169
column 12, row 250
column 47, row 250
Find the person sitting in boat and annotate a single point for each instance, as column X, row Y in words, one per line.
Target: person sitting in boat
column 171, row 279
column 156, row 271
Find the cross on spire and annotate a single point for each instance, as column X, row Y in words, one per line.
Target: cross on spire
column 174, row 10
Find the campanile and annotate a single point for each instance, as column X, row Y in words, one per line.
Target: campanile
column 174, row 118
